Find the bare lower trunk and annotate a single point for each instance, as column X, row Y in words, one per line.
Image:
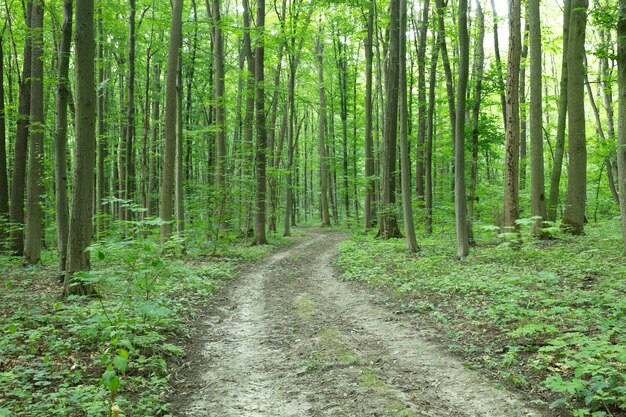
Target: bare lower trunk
column 574, row 217
column 34, row 213
column 407, row 206
column 81, row 225
column 60, row 148
column 20, row 151
column 559, row 151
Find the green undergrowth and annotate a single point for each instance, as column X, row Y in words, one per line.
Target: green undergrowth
column 83, row 356
column 547, row 316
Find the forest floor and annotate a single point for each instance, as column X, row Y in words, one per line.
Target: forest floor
column 290, row 338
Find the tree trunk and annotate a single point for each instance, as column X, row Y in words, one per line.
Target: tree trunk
column 34, row 215
column 496, row 44
column 557, row 164
column 151, row 206
column 511, row 168
column 407, row 206
column 102, row 184
column 60, row 148
column 430, row 127
column 574, row 217
column 248, row 123
column 81, row 226
column 421, row 99
column 4, row 183
column 322, row 133
column 388, row 221
column 261, row 152
column 479, row 66
column 537, row 187
column 460, row 205
column 179, row 176
column 369, row 214
column 220, row 135
column 169, row 159
column 129, row 159
column 21, row 143
column 523, row 154
column 621, row 133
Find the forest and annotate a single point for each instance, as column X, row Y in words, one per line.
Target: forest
column 313, row 208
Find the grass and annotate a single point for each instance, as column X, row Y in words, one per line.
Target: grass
column 548, row 316
column 81, row 356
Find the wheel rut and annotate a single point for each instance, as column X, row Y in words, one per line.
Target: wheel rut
column 291, row 339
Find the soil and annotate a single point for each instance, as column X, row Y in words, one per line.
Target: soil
column 289, row 338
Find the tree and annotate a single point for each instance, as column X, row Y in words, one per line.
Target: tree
column 460, row 205
column 261, row 146
column 81, row 224
column 557, row 164
column 369, row 212
column 421, row 99
column 407, row 206
column 621, row 79
column 511, row 169
column 388, row 221
column 322, row 133
column 479, row 56
column 169, row 158
column 537, row 188
column 60, row 148
column 21, row 142
column 34, row 216
column 4, row 183
column 220, row 134
column 574, row 217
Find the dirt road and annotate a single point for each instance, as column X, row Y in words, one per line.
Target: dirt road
column 291, row 339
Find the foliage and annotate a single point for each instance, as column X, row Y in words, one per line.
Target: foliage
column 550, row 311
column 82, row 356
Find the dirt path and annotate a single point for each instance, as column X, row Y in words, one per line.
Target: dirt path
column 290, row 339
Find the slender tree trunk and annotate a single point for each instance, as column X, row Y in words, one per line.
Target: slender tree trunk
column 60, row 148
column 220, row 135
column 261, row 152
column 557, row 164
column 523, row 154
column 496, row 43
column 322, row 133
column 102, row 184
column 422, row 105
column 169, row 159
column 603, row 139
column 537, row 187
column 81, row 225
column 154, row 140
column 388, row 220
column 369, row 213
column 21, row 142
column 179, row 176
column 479, row 65
column 511, row 169
column 407, row 206
column 129, row 159
column 4, row 183
column 574, row 217
column 460, row 204
column 145, row 143
column 430, row 128
column 621, row 116
column 34, row 214
column 248, row 123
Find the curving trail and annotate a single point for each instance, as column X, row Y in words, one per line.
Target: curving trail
column 290, row 339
